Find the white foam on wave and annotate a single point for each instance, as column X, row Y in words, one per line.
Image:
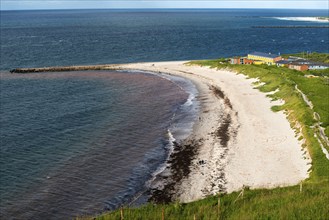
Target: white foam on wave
column 311, row 19
column 190, row 99
column 170, row 148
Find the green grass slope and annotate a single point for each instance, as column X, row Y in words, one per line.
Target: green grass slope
column 279, row 203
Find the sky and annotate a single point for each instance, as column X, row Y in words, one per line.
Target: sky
column 104, row 4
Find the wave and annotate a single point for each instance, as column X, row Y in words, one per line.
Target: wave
column 162, row 167
column 186, row 114
column 311, row 19
column 181, row 126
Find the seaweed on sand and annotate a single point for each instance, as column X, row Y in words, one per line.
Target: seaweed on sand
column 179, row 162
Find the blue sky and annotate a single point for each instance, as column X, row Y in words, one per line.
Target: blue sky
column 91, row 4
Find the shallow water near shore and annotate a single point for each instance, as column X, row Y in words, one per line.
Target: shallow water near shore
column 76, row 143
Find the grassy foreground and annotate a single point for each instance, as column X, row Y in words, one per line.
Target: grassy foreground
column 279, row 203
column 309, row 200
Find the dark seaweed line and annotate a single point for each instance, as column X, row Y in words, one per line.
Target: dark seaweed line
column 218, row 93
column 181, row 159
column 180, row 162
column 223, row 131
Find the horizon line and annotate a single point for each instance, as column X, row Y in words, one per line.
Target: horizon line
column 54, row 9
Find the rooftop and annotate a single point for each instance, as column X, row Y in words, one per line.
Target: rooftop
column 302, row 62
column 283, row 61
column 297, row 64
column 318, row 64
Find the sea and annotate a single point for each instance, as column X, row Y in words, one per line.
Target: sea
column 81, row 143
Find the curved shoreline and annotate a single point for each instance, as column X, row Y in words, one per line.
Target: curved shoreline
column 241, row 142
column 261, row 150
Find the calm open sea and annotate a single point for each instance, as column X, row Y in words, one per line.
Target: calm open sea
column 79, row 143
column 71, row 37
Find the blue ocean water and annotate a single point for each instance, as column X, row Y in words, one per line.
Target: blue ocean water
column 75, row 143
column 72, row 37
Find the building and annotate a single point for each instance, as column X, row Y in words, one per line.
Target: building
column 241, row 60
column 318, row 66
column 269, row 59
column 298, row 66
column 259, row 62
column 283, row 63
column 296, row 63
column 235, row 60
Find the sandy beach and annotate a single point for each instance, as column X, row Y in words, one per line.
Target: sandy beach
column 237, row 141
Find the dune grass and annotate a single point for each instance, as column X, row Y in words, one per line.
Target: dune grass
column 310, row 200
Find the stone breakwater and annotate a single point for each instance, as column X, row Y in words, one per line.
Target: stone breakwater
column 66, row 68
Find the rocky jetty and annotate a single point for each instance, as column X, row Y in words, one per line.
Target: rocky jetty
column 65, row 68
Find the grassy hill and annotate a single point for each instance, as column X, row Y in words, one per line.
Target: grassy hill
column 310, row 199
